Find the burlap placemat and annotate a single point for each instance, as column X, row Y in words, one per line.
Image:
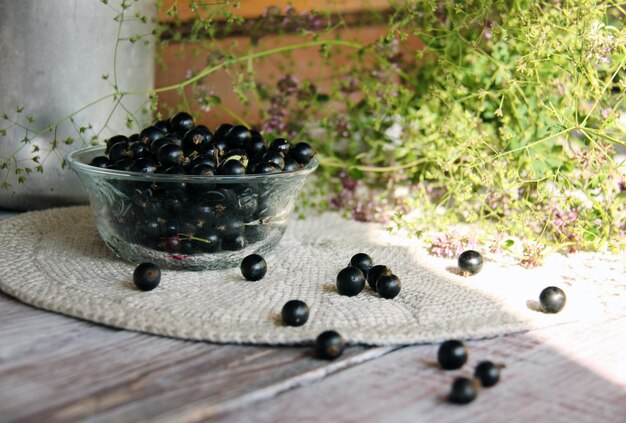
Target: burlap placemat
column 56, row 260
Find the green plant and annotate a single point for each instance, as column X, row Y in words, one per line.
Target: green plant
column 504, row 114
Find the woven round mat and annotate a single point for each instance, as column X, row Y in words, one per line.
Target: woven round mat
column 55, row 260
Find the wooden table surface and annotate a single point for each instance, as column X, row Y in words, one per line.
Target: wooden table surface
column 55, row 368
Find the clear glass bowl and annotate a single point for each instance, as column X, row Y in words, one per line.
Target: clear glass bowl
column 185, row 221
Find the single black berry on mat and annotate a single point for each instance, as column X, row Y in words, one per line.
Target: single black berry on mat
column 361, row 261
column 388, row 286
column 147, row 276
column 375, row 273
column 295, row 313
column 463, row 391
column 253, row 267
column 470, row 262
column 329, row 345
column 552, row 299
column 350, row 281
column 487, row 373
column 452, row 355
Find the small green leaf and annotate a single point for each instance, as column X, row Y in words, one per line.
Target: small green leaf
column 356, row 173
column 509, row 243
column 620, row 198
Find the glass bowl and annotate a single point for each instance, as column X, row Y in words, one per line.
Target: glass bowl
column 185, row 221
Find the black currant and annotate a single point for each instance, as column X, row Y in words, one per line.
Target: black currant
column 231, row 227
column 552, row 299
column 170, row 155
column 114, row 140
column 266, row 167
column 329, row 345
column 290, row 165
column 234, row 244
column 350, row 281
column 452, row 355
column 255, row 147
column 388, row 286
column 100, row 161
column 376, row 272
column 361, row 261
column 171, row 244
column 163, row 125
column 281, row 145
column 238, row 137
column 208, row 242
column 169, row 228
column 302, row 152
column 222, row 131
column 202, row 159
column 119, row 151
column 487, row 373
column 275, row 157
column 147, row 276
column 143, row 165
column 137, row 150
column 194, row 140
column 181, row 122
column 232, row 168
column 123, row 164
column 295, row 313
column 156, row 145
column 150, row 134
column 202, row 169
column 253, row 267
column 463, row 391
column 470, row 262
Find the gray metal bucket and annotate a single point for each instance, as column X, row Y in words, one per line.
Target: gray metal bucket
column 53, row 55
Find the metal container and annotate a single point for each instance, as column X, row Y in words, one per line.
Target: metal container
column 53, row 55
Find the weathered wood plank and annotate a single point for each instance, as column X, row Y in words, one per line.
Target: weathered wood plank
column 567, row 373
column 56, row 368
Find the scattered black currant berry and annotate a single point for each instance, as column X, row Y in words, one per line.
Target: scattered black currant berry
column 295, row 313
column 463, row 391
column 253, row 267
column 329, row 345
column 350, row 281
column 487, row 373
column 147, row 276
column 376, row 272
column 470, row 262
column 388, row 286
column 362, row 261
column 552, row 299
column 452, row 355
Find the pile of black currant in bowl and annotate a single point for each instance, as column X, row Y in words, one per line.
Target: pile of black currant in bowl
column 184, row 197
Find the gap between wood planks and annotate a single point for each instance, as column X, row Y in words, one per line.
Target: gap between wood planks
column 271, row 391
